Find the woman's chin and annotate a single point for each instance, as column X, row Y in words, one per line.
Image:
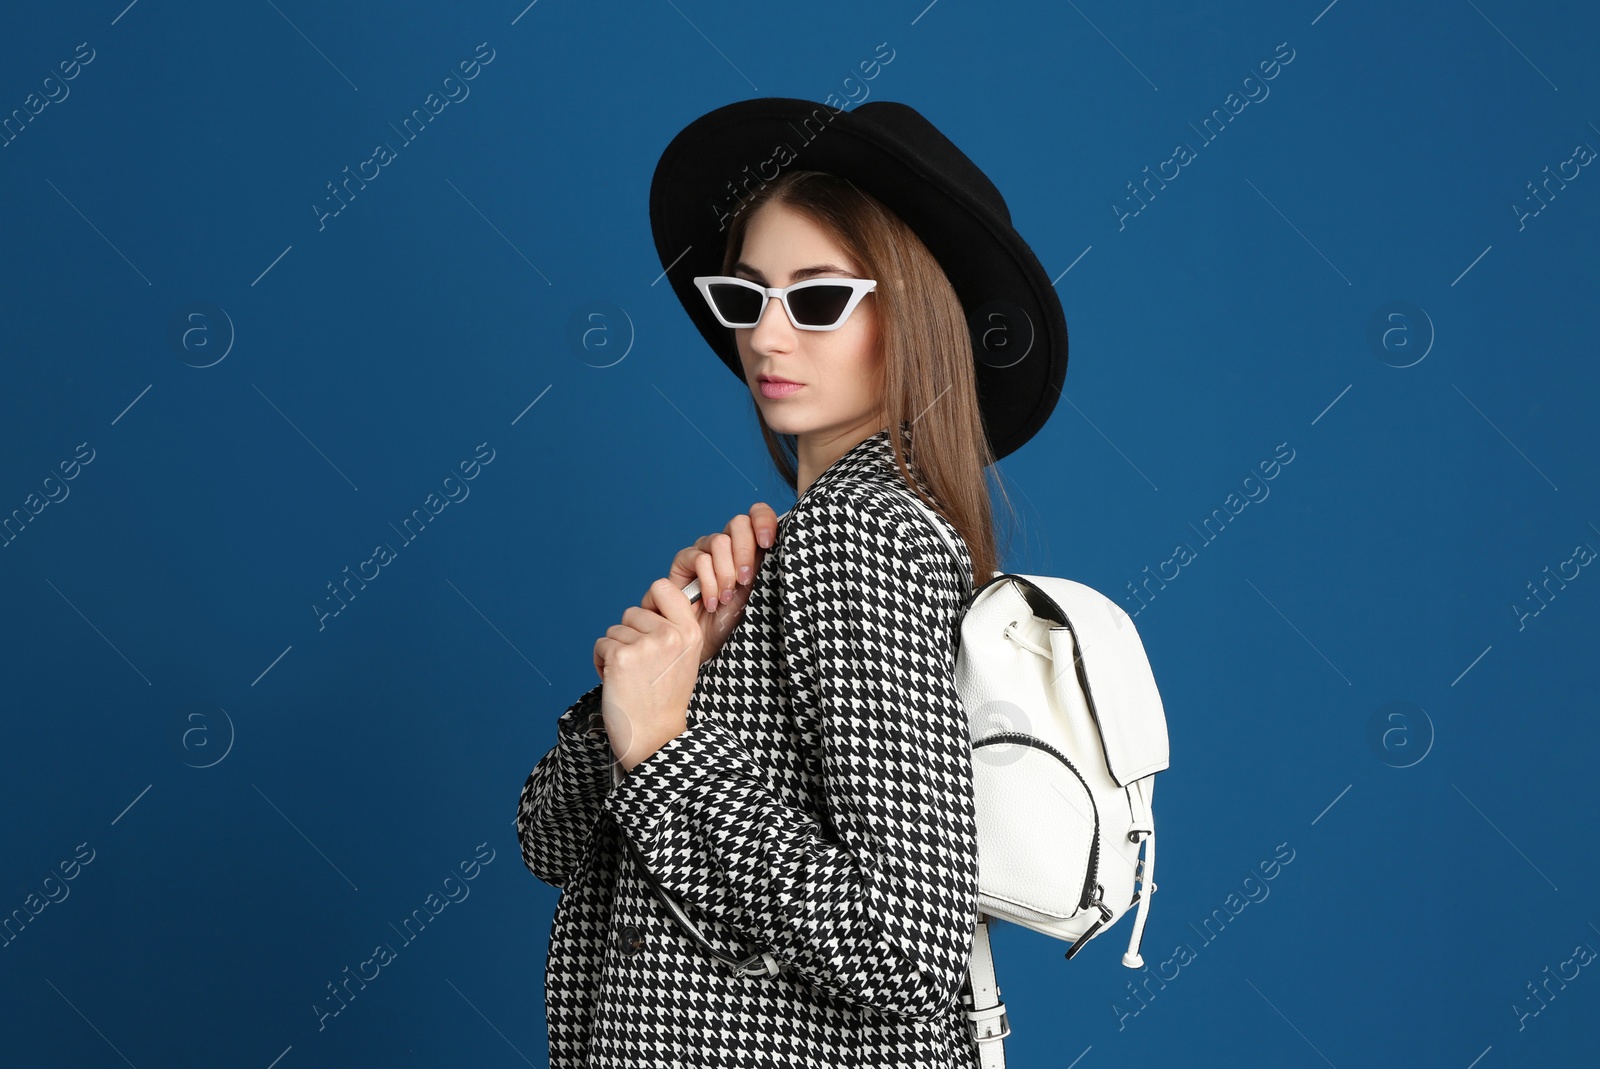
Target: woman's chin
column 782, row 417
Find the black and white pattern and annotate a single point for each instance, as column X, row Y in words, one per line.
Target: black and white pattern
column 818, row 805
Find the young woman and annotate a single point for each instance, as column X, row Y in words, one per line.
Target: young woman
column 788, row 758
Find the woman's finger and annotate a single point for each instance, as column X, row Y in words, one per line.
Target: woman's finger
column 765, row 522
column 741, row 532
column 622, row 634
column 638, row 621
column 705, row 569
column 678, row 612
column 684, row 563
column 726, row 574
column 616, row 637
column 684, row 570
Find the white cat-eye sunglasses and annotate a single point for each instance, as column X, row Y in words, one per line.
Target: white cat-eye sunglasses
column 815, row 304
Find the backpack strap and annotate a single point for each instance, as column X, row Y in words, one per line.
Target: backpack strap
column 1139, row 792
column 987, row 1015
column 933, row 521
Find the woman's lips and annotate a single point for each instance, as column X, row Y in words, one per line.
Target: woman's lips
column 771, row 389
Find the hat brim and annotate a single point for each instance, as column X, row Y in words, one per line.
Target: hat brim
column 718, row 161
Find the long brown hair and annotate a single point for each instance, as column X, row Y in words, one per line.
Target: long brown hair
column 928, row 380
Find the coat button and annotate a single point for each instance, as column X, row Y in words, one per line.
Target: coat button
column 630, row 940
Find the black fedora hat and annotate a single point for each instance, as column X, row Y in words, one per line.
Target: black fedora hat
column 889, row 150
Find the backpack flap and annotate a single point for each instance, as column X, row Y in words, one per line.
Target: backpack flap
column 1115, row 675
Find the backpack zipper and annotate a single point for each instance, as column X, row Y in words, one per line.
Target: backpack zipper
column 1089, row 896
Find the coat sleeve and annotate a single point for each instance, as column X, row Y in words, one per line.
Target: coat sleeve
column 877, row 905
column 561, row 799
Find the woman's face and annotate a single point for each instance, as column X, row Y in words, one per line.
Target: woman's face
column 840, row 371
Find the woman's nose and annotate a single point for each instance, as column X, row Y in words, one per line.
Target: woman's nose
column 773, row 325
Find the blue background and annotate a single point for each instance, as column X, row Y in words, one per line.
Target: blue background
column 1346, row 669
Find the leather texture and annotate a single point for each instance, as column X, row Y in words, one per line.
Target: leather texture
column 819, row 804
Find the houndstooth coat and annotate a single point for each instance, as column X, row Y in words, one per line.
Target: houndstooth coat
column 819, row 804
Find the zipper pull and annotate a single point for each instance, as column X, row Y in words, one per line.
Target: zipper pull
column 1093, row 929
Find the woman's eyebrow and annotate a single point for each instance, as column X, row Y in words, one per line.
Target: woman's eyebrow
column 799, row 275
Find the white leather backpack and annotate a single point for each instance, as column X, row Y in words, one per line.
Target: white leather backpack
column 1068, row 733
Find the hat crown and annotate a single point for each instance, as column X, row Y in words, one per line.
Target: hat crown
column 920, row 140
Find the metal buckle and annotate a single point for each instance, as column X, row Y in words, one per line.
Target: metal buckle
column 975, row 1016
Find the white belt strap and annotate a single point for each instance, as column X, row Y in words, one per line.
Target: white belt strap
column 987, row 1015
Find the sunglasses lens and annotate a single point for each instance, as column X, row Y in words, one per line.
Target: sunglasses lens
column 819, row 306
column 736, row 304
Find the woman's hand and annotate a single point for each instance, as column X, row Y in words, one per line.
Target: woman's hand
column 721, row 561
column 648, row 666
column 649, row 663
column 726, row 565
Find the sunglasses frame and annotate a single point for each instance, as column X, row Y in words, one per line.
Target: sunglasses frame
column 860, row 287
